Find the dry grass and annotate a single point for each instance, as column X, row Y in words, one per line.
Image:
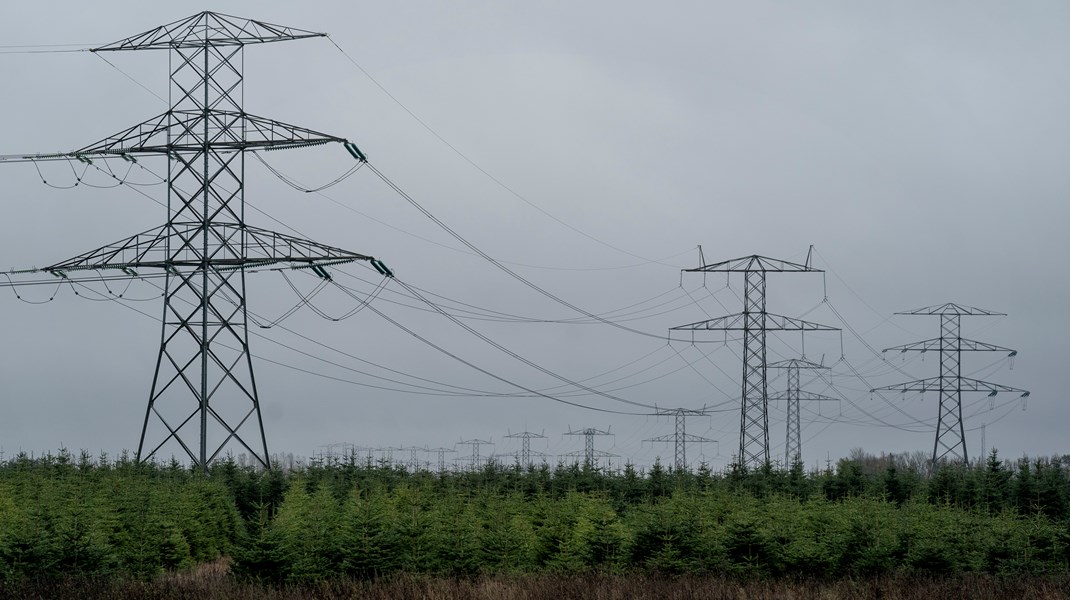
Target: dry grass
column 211, row 582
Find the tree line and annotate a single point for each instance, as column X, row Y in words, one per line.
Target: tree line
column 867, row 515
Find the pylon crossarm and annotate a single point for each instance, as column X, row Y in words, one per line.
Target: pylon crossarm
column 595, row 454
column 168, row 248
column 802, row 395
column 797, row 363
column 691, row 412
column 753, row 263
column 698, row 439
column 964, row 384
column 950, row 308
column 933, row 345
column 208, row 29
column 181, row 132
column 662, row 438
column 739, row 322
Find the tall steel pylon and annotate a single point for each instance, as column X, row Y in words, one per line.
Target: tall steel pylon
column 754, row 322
column 206, row 245
column 525, row 446
column 950, row 440
column 680, row 437
column 794, row 395
column 589, row 453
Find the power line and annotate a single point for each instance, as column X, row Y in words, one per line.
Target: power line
column 471, row 162
column 497, row 263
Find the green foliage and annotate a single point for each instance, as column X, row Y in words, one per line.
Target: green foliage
column 871, row 516
column 77, row 518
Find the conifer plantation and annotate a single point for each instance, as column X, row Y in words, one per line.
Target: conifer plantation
column 866, row 527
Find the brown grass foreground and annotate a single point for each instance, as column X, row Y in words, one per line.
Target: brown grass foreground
column 211, row 582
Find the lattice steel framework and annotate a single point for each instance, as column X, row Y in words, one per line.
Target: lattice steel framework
column 590, row 455
column 525, row 446
column 336, row 452
column 414, row 460
column 475, row 443
column 950, row 443
column 680, row 437
column 205, row 247
column 754, row 322
column 793, row 396
column 442, row 457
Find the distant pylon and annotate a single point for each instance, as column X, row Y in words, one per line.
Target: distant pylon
column 336, row 450
column 950, row 427
column 442, row 457
column 589, row 453
column 680, row 437
column 754, row 322
column 793, row 395
column 525, row 446
column 475, row 443
column 414, row 461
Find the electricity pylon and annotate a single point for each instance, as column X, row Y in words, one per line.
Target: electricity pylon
column 414, row 462
column 475, row 443
column 680, row 437
column 525, row 446
column 388, row 454
column 793, row 395
column 206, row 245
column 589, row 453
column 950, row 428
column 754, row 322
column 332, row 453
column 442, row 457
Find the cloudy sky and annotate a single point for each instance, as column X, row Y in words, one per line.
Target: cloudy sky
column 590, row 148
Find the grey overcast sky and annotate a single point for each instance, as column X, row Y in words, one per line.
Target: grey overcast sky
column 921, row 147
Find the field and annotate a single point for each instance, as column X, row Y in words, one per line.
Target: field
column 215, row 585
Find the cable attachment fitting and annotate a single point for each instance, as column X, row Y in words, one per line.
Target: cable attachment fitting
column 322, row 272
column 383, row 269
column 355, row 152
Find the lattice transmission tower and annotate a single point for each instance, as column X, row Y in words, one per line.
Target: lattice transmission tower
column 950, row 440
column 525, row 446
column 414, row 459
column 204, row 394
column 590, row 455
column 754, row 322
column 475, row 443
column 680, row 437
column 793, row 396
column 442, row 457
